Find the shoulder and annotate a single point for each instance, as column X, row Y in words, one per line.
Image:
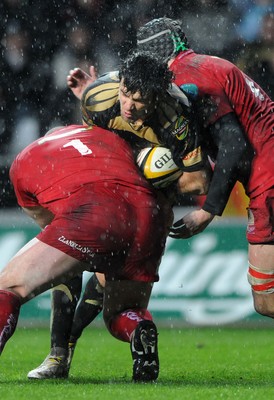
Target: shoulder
column 106, row 82
column 99, row 101
column 102, row 93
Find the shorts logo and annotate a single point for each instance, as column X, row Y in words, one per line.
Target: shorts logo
column 181, row 128
column 76, row 246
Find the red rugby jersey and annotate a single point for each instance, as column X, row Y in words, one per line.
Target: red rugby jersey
column 56, row 165
column 230, row 90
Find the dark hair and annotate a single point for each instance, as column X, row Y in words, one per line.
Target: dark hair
column 145, row 73
column 162, row 36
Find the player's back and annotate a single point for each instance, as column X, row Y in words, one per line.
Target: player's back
column 226, row 89
column 230, row 90
column 56, row 165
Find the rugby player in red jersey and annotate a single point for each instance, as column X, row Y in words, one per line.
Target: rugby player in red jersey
column 134, row 104
column 98, row 213
column 238, row 120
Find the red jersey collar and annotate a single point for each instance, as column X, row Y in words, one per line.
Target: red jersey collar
column 181, row 55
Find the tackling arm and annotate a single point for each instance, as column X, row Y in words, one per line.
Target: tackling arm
column 196, row 182
column 232, row 146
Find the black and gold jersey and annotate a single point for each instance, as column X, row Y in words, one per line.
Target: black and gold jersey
column 172, row 124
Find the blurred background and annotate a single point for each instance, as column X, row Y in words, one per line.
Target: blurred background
column 42, row 40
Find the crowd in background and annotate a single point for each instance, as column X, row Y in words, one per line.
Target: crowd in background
column 42, row 40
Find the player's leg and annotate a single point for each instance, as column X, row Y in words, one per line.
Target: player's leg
column 126, row 300
column 28, row 274
column 261, row 277
column 260, row 234
column 127, row 318
column 67, row 324
column 64, row 299
column 90, row 305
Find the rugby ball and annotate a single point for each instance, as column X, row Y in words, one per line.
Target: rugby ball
column 158, row 167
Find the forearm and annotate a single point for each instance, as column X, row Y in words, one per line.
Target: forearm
column 232, row 147
column 196, row 182
column 218, row 194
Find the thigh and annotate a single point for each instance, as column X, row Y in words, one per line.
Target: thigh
column 91, row 224
column 260, row 227
column 144, row 256
column 122, row 295
column 37, row 268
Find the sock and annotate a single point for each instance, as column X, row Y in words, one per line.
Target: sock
column 89, row 307
column 9, row 312
column 64, row 301
column 123, row 325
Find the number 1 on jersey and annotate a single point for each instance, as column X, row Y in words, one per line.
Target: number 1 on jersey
column 79, row 146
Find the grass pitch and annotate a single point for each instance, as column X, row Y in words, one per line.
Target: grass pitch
column 196, row 363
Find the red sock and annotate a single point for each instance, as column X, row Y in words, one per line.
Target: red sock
column 122, row 325
column 9, row 312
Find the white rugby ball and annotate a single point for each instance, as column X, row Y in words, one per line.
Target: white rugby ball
column 158, row 167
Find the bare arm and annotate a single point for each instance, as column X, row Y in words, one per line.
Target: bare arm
column 195, row 222
column 78, row 80
column 196, row 182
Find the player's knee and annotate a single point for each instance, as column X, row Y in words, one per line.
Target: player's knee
column 262, row 283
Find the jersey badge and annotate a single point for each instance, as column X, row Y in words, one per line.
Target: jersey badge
column 181, row 128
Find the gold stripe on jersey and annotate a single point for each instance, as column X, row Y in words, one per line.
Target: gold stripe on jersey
column 102, row 88
column 103, row 99
column 144, row 132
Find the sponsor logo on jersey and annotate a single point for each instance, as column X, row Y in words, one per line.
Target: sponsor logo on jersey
column 76, row 246
column 181, row 128
column 193, row 157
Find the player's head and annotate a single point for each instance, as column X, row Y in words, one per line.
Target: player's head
column 144, row 79
column 162, row 36
column 144, row 72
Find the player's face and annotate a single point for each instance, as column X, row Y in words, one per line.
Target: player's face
column 134, row 107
